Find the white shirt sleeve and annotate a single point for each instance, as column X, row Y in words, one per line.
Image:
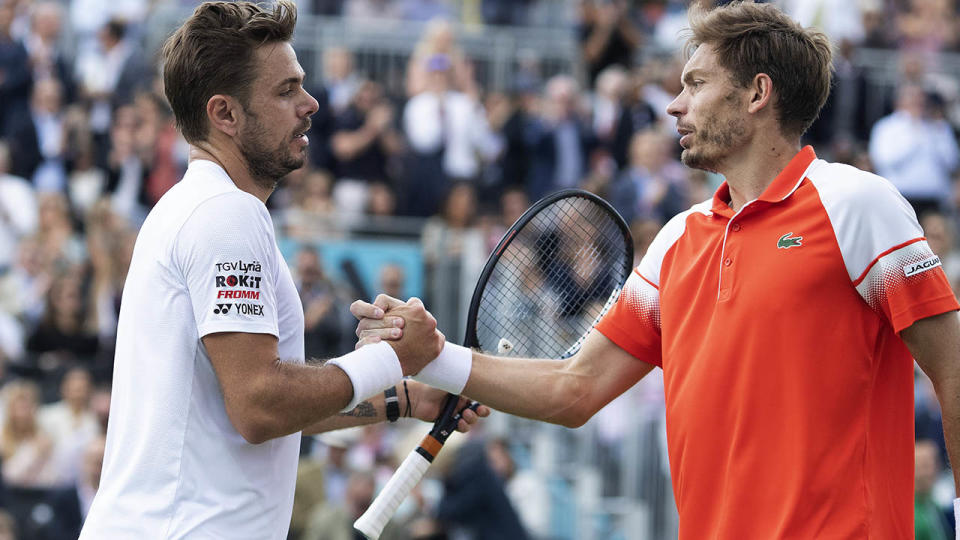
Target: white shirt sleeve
column 227, row 255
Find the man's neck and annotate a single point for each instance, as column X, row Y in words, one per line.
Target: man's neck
column 750, row 172
column 233, row 163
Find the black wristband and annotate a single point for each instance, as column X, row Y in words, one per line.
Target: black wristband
column 393, row 403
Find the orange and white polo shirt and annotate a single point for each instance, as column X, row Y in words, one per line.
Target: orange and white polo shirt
column 789, row 395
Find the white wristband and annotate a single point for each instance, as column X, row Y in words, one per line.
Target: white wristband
column 956, row 515
column 450, row 370
column 371, row 368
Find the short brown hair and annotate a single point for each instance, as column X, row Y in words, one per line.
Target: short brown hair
column 754, row 38
column 212, row 53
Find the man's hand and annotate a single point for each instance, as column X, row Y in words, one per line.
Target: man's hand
column 375, row 325
column 426, row 402
column 421, row 342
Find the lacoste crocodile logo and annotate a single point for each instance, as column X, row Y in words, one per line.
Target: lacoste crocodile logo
column 786, row 242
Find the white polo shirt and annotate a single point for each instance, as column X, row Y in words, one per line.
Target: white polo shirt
column 205, row 261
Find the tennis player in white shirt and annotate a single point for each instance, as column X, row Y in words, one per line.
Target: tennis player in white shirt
column 211, row 390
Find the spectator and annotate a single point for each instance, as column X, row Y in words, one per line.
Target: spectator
column 8, row 526
column 126, row 169
column 15, row 66
column 38, row 138
column 607, row 105
column 381, row 201
column 48, row 59
column 159, row 145
column 512, row 117
column 27, row 451
column 527, row 492
column 439, row 39
column 844, row 116
column 474, row 498
column 313, row 214
column 25, row 285
column 654, row 184
column 110, row 75
column 927, row 26
column 58, row 240
column 393, row 281
column 334, row 521
column 916, row 150
column 361, row 10
column 447, row 239
column 67, row 332
column 447, row 131
column 839, row 19
column 70, row 506
column 18, row 210
column 86, row 182
column 110, row 248
column 339, row 78
column 559, row 139
column 638, row 113
column 608, row 35
column 321, row 307
column 364, row 141
column 929, row 521
column 71, row 424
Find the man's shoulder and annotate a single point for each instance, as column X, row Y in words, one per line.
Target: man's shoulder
column 839, row 184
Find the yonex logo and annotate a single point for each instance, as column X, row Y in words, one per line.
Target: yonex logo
column 786, row 242
column 222, row 309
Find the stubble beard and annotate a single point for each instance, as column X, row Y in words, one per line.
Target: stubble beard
column 714, row 142
column 267, row 166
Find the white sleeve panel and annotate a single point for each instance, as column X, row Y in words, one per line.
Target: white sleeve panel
column 641, row 299
column 228, row 257
column 651, row 262
column 869, row 217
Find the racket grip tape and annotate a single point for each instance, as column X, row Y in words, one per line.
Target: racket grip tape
column 372, row 522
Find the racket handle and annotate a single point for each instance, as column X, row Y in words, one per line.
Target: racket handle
column 372, row 522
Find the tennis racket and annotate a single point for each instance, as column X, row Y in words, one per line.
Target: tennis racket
column 555, row 272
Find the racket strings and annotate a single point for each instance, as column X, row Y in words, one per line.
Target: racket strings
column 553, row 281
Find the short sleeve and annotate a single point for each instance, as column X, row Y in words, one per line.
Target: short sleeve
column 226, row 252
column 884, row 250
column 633, row 323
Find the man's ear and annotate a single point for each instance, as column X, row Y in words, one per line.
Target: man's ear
column 223, row 113
column 761, row 89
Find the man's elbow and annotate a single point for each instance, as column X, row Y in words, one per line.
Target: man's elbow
column 575, row 408
column 253, row 423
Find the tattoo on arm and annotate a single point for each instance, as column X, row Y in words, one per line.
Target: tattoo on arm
column 364, row 409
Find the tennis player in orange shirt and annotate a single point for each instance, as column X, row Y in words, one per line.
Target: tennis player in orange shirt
column 785, row 312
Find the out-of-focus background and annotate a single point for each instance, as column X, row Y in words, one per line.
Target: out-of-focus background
column 406, row 193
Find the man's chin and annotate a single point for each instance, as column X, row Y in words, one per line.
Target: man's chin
column 697, row 161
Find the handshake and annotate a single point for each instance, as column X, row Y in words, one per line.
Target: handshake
column 397, row 339
column 406, row 326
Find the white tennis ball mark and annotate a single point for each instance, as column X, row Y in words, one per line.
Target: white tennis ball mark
column 504, row 346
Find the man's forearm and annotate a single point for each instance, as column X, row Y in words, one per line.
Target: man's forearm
column 948, row 393
column 366, row 412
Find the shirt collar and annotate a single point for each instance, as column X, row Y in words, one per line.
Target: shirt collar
column 782, row 186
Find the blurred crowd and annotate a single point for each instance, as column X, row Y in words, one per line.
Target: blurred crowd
column 88, row 145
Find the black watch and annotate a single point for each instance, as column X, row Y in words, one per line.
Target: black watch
column 393, row 403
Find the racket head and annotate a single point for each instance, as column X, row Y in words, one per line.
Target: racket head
column 555, row 272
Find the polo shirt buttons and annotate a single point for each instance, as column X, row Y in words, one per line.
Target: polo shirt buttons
column 728, row 261
column 736, row 227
